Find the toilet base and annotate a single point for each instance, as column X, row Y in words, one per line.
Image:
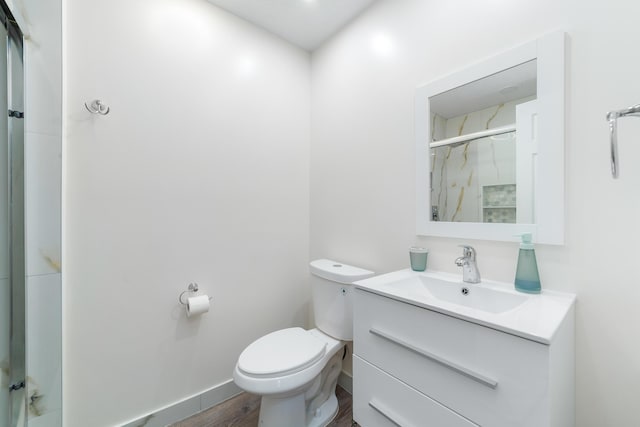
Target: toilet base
column 282, row 411
column 325, row 413
column 289, row 412
column 314, row 406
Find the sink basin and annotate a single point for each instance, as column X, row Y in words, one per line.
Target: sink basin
column 489, row 303
column 469, row 295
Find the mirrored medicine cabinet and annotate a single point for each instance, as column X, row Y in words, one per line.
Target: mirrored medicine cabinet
column 490, row 147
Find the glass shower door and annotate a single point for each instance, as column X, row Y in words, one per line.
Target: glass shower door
column 17, row 273
column 12, row 237
column 5, row 289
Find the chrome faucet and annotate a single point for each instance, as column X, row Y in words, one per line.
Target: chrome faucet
column 467, row 261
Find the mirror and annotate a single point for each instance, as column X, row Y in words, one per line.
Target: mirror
column 483, row 136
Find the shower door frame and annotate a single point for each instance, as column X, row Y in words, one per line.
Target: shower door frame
column 16, row 219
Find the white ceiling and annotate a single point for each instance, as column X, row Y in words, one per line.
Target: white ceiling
column 306, row 23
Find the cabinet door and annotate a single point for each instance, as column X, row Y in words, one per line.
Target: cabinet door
column 379, row 400
column 490, row 377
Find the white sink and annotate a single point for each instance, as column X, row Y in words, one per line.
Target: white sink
column 469, row 295
column 489, row 303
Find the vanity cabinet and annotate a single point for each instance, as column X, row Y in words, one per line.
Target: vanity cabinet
column 417, row 367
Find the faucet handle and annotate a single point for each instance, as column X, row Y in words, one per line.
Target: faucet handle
column 468, row 252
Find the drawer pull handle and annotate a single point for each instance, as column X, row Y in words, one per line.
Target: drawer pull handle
column 489, row 382
column 384, row 412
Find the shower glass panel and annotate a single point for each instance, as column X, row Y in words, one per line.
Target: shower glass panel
column 12, row 244
column 5, row 290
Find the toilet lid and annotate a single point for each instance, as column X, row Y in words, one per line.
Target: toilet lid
column 281, row 352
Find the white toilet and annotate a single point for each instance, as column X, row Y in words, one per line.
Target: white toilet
column 295, row 370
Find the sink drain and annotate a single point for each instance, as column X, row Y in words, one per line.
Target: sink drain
column 465, row 291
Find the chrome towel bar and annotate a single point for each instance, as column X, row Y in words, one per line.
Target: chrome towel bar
column 612, row 118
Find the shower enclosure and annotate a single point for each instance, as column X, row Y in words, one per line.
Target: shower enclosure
column 12, row 236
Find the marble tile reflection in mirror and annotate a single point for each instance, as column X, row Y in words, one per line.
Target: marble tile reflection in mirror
column 475, row 180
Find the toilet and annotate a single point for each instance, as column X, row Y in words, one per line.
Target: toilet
column 296, row 370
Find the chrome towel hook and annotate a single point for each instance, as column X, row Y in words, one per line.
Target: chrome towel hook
column 97, row 107
column 612, row 118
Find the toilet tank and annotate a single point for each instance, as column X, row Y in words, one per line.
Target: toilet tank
column 332, row 294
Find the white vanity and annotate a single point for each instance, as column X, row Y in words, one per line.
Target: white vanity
column 430, row 350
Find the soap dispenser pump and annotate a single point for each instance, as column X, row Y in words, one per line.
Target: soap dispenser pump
column 527, row 278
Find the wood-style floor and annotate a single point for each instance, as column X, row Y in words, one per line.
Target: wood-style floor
column 243, row 411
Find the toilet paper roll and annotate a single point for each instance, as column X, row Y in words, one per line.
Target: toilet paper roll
column 197, row 305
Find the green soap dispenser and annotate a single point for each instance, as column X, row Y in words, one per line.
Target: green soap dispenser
column 527, row 278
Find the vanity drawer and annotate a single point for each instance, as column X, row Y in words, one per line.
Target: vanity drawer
column 379, row 400
column 490, row 377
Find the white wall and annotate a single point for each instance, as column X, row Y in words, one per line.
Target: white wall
column 362, row 173
column 200, row 172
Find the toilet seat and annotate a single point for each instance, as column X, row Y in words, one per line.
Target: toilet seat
column 282, row 352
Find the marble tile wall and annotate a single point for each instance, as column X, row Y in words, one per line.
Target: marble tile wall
column 460, row 172
column 4, row 346
column 44, row 345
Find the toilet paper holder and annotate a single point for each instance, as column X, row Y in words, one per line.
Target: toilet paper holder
column 192, row 288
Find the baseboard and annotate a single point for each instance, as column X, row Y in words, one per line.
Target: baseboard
column 186, row 407
column 199, row 402
column 346, row 382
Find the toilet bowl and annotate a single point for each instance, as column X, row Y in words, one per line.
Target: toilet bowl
column 296, row 370
column 288, row 368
